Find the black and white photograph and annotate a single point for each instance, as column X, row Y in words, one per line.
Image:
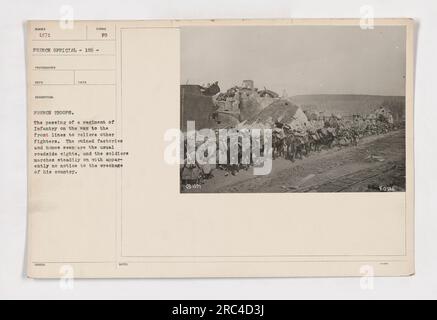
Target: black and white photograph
column 271, row 109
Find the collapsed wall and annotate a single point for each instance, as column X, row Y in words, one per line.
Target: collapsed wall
column 283, row 111
column 238, row 104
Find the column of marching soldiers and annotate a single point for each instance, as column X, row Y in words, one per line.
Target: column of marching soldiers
column 293, row 144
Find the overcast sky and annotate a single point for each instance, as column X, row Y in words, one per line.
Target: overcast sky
column 298, row 59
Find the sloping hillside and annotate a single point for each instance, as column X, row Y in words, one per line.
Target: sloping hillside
column 351, row 104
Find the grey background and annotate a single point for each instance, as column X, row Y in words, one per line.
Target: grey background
column 13, row 142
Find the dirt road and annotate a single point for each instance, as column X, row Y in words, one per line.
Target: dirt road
column 376, row 164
